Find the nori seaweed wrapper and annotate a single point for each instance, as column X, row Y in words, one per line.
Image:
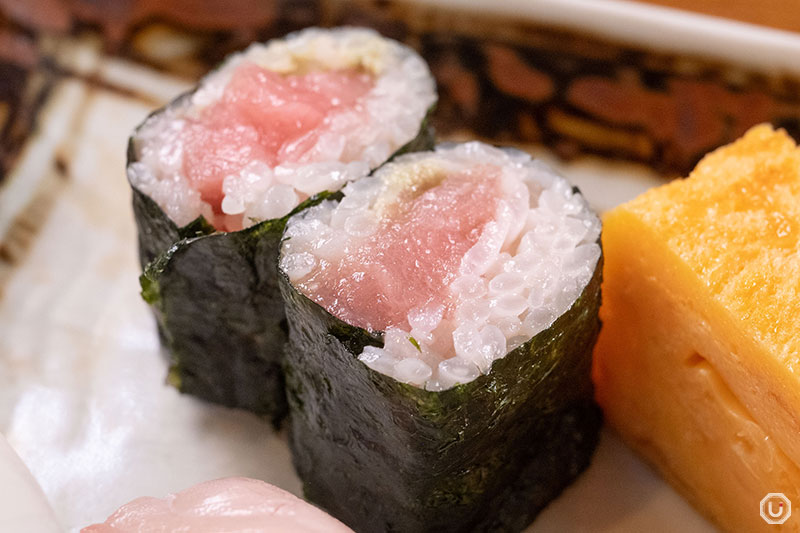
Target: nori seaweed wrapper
column 216, row 299
column 384, row 456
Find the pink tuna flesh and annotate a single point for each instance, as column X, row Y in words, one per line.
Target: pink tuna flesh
column 264, row 116
column 411, row 259
column 231, row 505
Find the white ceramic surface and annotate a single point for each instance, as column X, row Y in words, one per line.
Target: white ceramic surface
column 83, row 397
column 655, row 27
column 23, row 506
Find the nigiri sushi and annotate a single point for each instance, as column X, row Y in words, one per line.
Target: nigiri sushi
column 229, row 505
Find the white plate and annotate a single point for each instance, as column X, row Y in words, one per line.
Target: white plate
column 82, row 392
column 23, row 506
column 83, row 397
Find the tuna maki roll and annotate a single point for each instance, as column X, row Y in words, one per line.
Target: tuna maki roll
column 216, row 172
column 442, row 314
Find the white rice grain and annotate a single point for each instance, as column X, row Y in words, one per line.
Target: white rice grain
column 349, row 145
column 527, row 268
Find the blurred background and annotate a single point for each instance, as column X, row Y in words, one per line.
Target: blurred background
column 510, row 72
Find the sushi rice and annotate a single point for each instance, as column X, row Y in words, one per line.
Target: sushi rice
column 350, row 143
column 216, row 172
column 530, row 263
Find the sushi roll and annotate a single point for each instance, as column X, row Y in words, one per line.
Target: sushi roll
column 216, row 172
column 230, row 504
column 442, row 314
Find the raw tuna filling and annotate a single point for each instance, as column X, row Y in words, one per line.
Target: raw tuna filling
column 410, row 259
column 458, row 256
column 268, row 117
column 279, row 122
